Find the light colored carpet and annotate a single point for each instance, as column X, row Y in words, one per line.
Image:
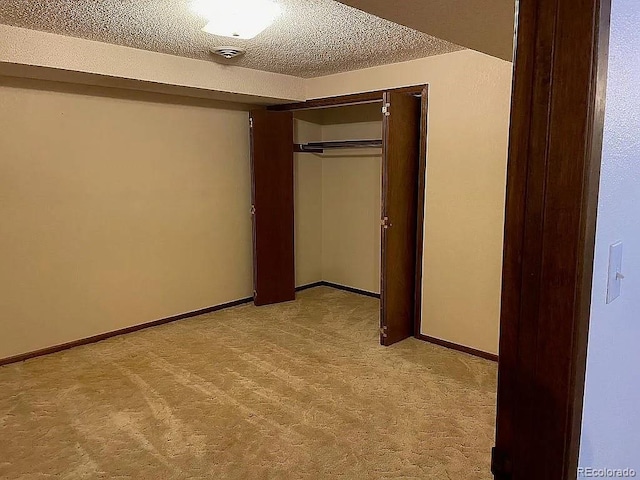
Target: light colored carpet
column 294, row 391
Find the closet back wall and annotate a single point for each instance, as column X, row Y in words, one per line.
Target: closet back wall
column 351, row 208
column 116, row 212
column 308, row 206
column 337, row 204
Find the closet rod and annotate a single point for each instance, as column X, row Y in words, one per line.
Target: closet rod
column 319, row 147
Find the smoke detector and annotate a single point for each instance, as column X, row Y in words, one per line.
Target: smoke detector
column 228, row 52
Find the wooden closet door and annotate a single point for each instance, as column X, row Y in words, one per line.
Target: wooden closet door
column 401, row 152
column 272, row 197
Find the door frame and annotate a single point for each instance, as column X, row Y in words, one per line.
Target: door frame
column 373, row 96
column 377, row 96
column 272, row 208
column 393, row 244
column 555, row 149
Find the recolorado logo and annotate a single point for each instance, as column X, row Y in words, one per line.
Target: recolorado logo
column 588, row 472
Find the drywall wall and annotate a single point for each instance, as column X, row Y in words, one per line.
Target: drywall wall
column 117, row 212
column 611, row 421
column 86, row 205
column 47, row 56
column 469, row 104
column 351, row 199
column 308, row 206
column 337, row 203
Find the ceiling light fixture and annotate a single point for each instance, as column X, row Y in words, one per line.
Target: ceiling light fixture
column 236, row 18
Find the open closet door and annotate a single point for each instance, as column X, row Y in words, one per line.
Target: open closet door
column 272, row 206
column 401, row 152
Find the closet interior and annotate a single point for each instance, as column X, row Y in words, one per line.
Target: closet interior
column 335, row 199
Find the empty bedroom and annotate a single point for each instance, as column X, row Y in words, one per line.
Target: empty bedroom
column 250, row 239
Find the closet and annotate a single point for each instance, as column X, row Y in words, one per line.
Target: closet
column 386, row 132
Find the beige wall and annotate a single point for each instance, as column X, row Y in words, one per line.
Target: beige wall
column 337, row 207
column 469, row 102
column 351, row 200
column 47, row 56
column 308, row 206
column 116, row 212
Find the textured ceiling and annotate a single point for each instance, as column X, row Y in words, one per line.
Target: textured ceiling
column 311, row 38
column 483, row 25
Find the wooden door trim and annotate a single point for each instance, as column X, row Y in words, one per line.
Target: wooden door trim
column 254, row 237
column 383, row 213
column 422, row 195
column 273, row 206
column 398, row 242
column 552, row 188
column 345, row 100
column 421, row 90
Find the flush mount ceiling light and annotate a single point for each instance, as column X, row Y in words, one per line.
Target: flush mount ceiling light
column 236, row 18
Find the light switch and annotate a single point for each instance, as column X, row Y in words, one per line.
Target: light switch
column 615, row 272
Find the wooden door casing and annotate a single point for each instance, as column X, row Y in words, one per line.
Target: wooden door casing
column 401, row 158
column 272, row 198
column 555, row 146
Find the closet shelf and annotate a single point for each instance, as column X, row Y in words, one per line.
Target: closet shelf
column 320, row 147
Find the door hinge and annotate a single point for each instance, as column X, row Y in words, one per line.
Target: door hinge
column 250, row 122
column 383, row 331
column 253, row 210
column 386, row 109
column 500, row 464
column 385, row 222
column 255, row 294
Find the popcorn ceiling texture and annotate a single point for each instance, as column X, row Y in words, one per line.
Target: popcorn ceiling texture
column 311, row 38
